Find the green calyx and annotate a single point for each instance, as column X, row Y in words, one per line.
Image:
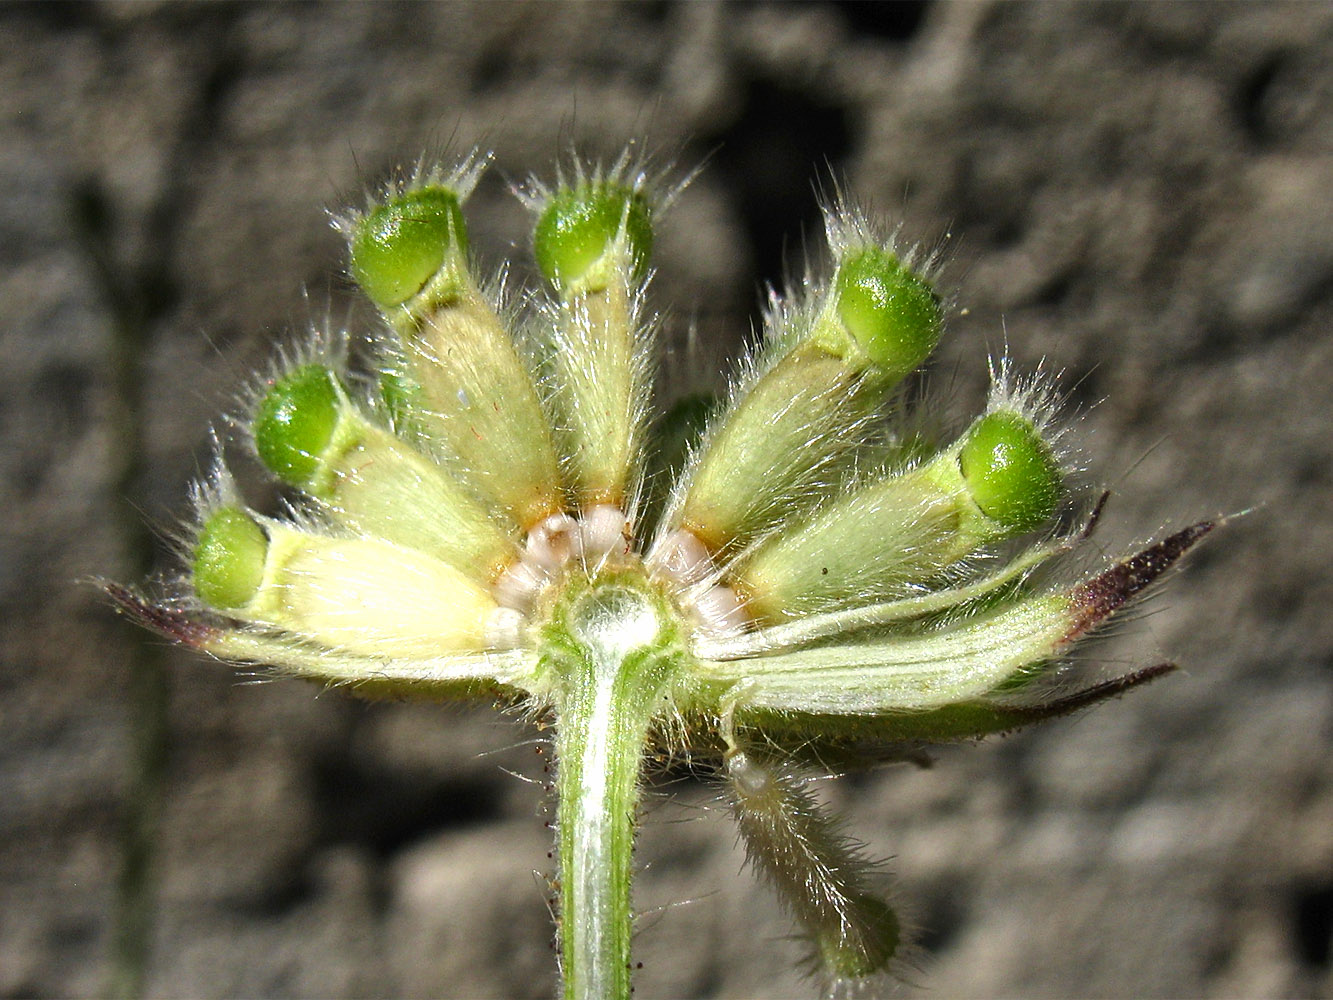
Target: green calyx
column 1010, row 471
column 229, row 559
column 295, row 422
column 582, row 232
column 401, row 247
column 892, row 314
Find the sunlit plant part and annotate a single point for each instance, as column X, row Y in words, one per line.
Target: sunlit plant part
column 816, row 586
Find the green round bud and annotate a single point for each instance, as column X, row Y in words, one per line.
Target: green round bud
column 295, row 421
column 893, row 314
column 399, row 247
column 229, row 559
column 1010, row 471
column 578, row 226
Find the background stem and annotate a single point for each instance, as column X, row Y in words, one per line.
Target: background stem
column 134, row 301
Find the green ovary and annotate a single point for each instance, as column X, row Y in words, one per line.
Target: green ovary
column 400, row 247
column 892, row 314
column 580, row 225
column 229, row 559
column 1010, row 471
column 295, row 422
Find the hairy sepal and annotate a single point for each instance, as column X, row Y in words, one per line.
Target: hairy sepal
column 895, row 533
column 810, row 629
column 952, row 662
column 785, row 435
column 372, row 483
column 503, row 673
column 805, row 400
column 841, row 743
column 883, row 541
column 467, row 675
column 599, row 360
column 366, row 596
column 958, row 661
column 475, row 399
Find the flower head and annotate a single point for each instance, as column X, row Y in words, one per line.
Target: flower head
column 473, row 516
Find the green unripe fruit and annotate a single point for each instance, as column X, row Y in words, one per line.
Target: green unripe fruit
column 1010, row 471
column 579, row 225
column 229, row 559
column 865, row 943
column 295, row 421
column 401, row 246
column 893, row 315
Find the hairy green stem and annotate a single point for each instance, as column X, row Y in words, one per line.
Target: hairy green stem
column 614, row 655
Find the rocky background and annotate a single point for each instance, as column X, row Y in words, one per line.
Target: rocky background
column 1141, row 195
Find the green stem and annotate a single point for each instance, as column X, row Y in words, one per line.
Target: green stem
column 614, row 655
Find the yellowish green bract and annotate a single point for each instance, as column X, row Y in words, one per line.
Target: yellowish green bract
column 805, row 580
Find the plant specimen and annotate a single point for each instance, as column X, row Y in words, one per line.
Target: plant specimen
column 795, row 578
